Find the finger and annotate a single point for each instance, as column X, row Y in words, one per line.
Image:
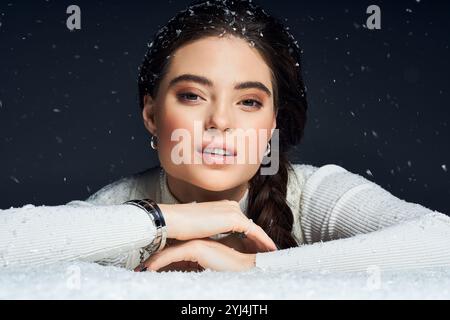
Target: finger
column 254, row 232
column 219, row 257
column 210, row 254
column 175, row 253
column 254, row 240
column 184, row 266
column 259, row 236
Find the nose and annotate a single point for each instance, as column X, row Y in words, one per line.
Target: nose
column 220, row 117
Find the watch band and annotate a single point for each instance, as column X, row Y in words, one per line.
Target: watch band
column 156, row 216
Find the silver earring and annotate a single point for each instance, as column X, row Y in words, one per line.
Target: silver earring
column 268, row 150
column 154, row 142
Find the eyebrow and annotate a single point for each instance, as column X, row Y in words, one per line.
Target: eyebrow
column 206, row 82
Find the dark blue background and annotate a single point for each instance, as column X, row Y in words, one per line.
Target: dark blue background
column 70, row 121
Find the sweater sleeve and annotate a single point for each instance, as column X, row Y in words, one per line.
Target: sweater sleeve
column 351, row 224
column 78, row 230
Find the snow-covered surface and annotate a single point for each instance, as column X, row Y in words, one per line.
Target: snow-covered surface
column 92, row 281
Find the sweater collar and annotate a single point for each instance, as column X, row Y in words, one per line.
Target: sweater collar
column 169, row 198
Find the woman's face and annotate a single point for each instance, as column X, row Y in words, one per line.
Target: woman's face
column 217, row 92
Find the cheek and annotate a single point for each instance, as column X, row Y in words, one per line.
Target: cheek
column 259, row 124
column 262, row 129
column 173, row 123
column 169, row 125
column 260, row 120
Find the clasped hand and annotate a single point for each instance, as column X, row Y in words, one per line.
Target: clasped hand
column 190, row 248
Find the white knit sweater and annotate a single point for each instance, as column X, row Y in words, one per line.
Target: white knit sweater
column 342, row 222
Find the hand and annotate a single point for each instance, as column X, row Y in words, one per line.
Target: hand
column 242, row 245
column 238, row 243
column 184, row 266
column 202, row 220
column 206, row 253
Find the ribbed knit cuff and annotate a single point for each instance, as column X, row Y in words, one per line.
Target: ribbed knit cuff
column 47, row 234
column 419, row 243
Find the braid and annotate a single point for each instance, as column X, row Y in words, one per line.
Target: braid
column 268, row 207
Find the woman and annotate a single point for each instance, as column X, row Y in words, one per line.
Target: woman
column 215, row 71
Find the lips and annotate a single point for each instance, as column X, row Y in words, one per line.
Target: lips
column 217, row 153
column 218, row 148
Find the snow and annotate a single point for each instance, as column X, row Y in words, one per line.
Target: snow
column 15, row 179
column 81, row 280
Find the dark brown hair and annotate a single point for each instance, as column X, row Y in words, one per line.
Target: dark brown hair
column 267, row 204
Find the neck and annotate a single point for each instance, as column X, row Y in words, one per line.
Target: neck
column 180, row 188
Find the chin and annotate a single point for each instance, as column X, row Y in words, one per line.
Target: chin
column 215, row 180
column 218, row 179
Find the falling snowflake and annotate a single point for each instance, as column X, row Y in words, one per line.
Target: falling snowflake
column 14, row 179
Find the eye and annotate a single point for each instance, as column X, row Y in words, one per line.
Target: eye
column 252, row 103
column 188, row 96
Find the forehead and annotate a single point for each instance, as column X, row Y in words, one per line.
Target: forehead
column 224, row 60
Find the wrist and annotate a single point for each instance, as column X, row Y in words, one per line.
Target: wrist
column 156, row 217
column 249, row 261
column 168, row 213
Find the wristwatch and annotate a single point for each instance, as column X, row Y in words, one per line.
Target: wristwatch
column 157, row 218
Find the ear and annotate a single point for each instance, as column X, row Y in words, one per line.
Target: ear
column 148, row 114
column 274, row 125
